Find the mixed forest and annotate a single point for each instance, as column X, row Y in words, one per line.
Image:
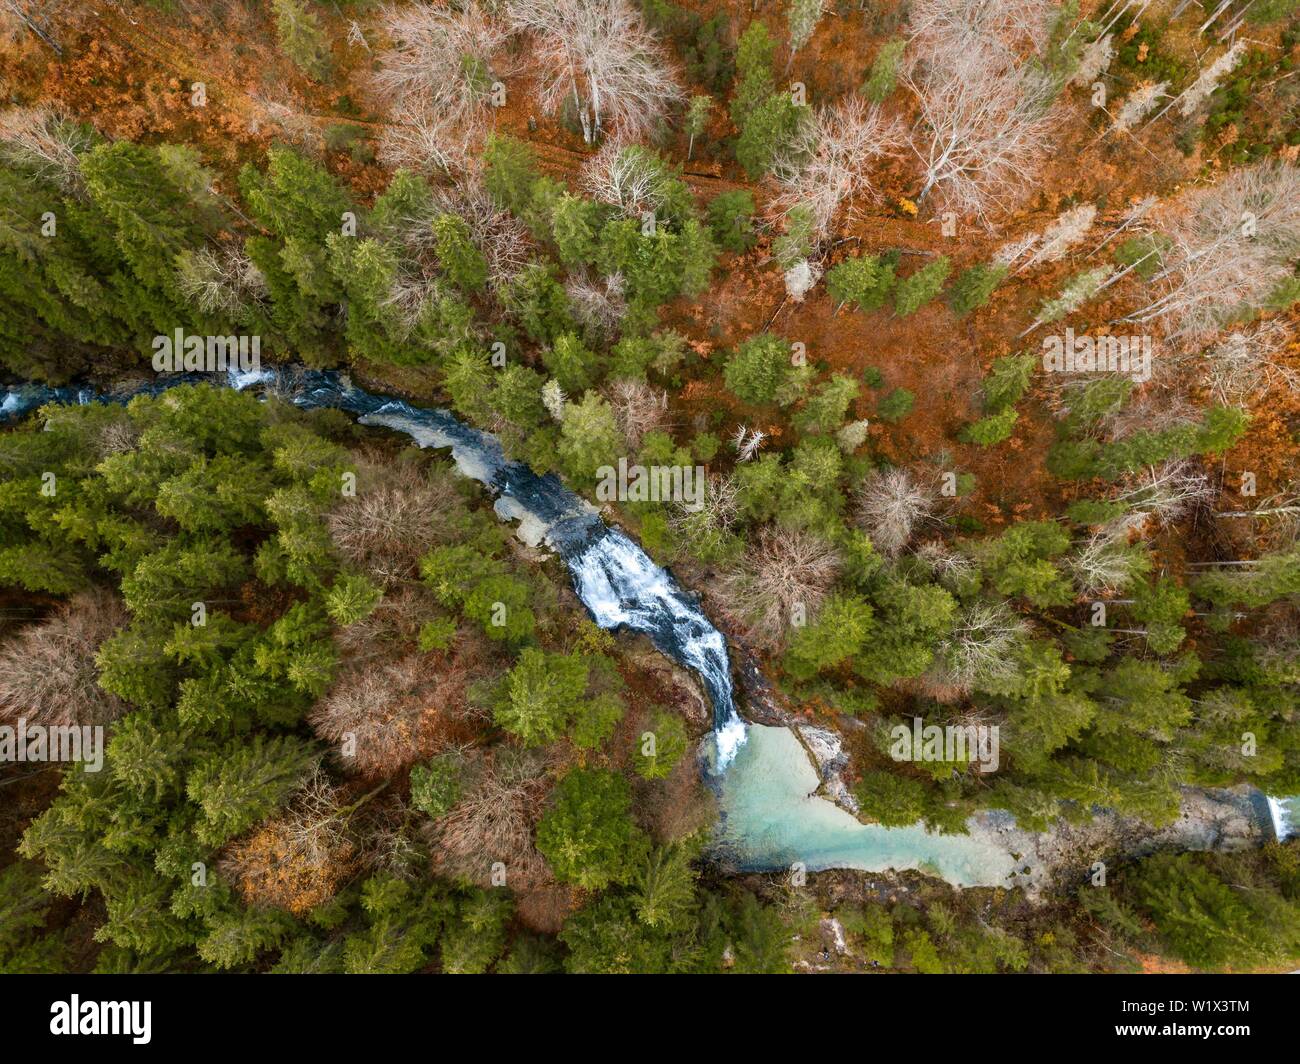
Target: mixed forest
column 354, row 724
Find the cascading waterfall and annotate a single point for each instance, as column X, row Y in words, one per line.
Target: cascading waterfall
column 623, row 588
column 1283, row 811
column 615, row 579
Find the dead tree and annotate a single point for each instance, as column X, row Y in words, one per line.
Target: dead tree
column 780, row 581
column 1231, row 246
column 443, row 61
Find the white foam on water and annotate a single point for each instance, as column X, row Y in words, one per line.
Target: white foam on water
column 730, row 738
column 241, row 379
column 470, row 463
column 532, row 529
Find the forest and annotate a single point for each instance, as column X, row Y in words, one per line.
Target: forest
column 977, row 318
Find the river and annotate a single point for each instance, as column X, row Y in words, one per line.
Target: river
column 764, row 778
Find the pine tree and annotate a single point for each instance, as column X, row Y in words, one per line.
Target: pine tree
column 1202, row 919
column 575, row 223
column 697, row 119
column 883, row 76
column 769, row 126
column 509, row 171
column 991, row 429
column 150, row 221
column 1007, row 381
column 587, row 834
column 589, row 437
column 973, row 287
column 825, row 409
column 657, row 759
column 802, row 17
column 758, row 369
column 866, row 280
column 663, row 891
column 436, row 784
column 352, row 598
column 539, row 694
column 754, row 79
column 462, row 261
column 241, row 784
column 731, row 219
column 571, row 363
column 301, row 205
column 301, row 37
column 917, row 289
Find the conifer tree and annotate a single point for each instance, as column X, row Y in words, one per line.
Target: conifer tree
column 301, row 37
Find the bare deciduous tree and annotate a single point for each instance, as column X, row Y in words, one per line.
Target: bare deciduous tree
column 1203, row 87
column 393, row 519
column 30, row 16
column 979, row 647
column 985, row 113
column 291, row 122
column 627, row 176
column 299, row 858
column 1105, row 563
column 718, row 512
column 501, row 237
column 428, row 143
column 600, row 55
column 390, row 712
column 598, row 306
column 1162, row 493
column 891, row 506
column 831, row 158
column 48, row 673
column 1138, row 104
column 220, row 281
column 494, row 822
column 1063, row 234
column 443, row 61
column 747, row 442
column 801, row 278
column 1245, row 364
column 1094, row 61
column 46, row 141
column 1008, row 27
column 639, row 408
column 951, row 568
column 782, row 578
